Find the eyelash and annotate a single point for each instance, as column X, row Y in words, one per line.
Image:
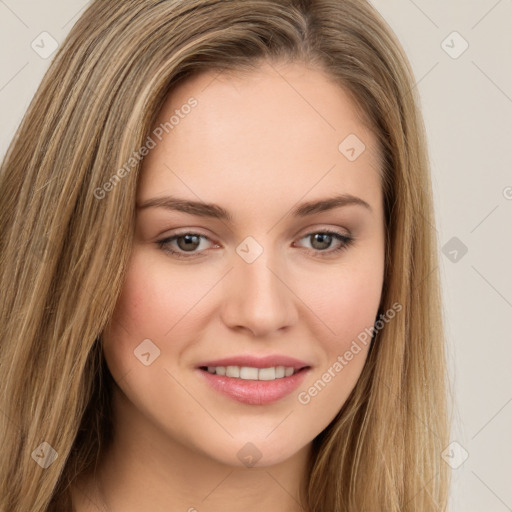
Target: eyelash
column 346, row 242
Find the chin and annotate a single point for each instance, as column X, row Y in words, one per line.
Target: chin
column 254, row 451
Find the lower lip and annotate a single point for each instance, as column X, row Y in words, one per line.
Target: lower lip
column 255, row 392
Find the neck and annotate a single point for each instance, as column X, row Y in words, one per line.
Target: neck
column 144, row 469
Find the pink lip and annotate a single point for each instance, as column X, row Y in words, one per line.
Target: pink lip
column 254, row 392
column 257, row 362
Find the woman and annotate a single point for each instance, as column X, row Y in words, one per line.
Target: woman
column 219, row 273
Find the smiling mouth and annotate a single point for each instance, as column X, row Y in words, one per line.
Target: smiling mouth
column 252, row 373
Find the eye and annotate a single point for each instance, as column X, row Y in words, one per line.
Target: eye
column 322, row 241
column 189, row 244
column 183, row 245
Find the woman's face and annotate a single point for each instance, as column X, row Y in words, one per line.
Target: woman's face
column 258, row 251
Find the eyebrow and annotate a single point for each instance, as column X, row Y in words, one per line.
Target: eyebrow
column 217, row 212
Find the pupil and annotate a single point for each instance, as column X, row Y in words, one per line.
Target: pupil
column 323, row 238
column 190, row 239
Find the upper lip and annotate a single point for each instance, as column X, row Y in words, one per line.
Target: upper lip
column 258, row 362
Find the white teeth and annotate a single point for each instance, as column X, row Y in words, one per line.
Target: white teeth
column 247, row 373
column 250, row 373
column 233, row 371
column 267, row 374
column 280, row 371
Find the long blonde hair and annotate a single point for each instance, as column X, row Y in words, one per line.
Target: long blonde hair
column 64, row 251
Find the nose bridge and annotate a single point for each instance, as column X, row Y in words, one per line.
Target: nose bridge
column 257, row 297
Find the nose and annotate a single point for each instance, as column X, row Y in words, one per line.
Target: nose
column 258, row 297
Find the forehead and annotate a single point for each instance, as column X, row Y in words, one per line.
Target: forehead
column 278, row 129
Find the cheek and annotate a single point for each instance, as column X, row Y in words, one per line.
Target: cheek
column 345, row 300
column 152, row 305
column 345, row 303
column 153, row 299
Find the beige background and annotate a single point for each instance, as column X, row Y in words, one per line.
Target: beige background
column 467, row 104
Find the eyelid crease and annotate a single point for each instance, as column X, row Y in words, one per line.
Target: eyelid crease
column 344, row 239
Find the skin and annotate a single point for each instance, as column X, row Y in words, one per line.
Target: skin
column 258, row 144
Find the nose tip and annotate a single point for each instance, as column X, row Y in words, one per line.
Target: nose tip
column 256, row 298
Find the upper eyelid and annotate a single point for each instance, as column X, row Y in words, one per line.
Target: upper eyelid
column 306, row 231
